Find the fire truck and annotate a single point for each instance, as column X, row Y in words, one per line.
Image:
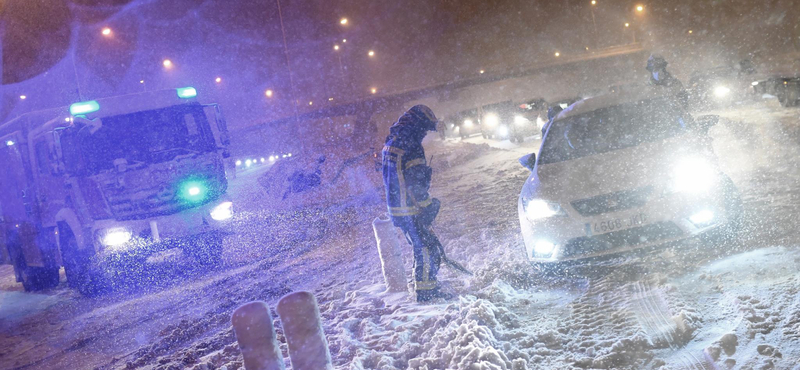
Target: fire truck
column 114, row 179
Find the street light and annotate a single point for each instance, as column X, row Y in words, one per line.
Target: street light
column 594, row 2
column 344, row 41
column 557, row 54
column 374, row 90
column 22, row 97
column 335, row 47
column 640, row 8
column 482, row 71
column 268, row 93
column 371, row 53
column 311, row 103
column 218, row 79
column 343, row 21
column 167, row 63
column 106, row 31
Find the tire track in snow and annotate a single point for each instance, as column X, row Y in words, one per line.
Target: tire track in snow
column 650, row 308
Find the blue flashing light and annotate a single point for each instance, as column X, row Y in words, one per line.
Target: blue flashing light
column 84, row 107
column 186, row 92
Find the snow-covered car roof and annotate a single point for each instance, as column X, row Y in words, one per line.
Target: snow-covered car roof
column 616, row 98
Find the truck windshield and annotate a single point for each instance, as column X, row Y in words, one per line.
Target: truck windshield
column 613, row 128
column 148, row 137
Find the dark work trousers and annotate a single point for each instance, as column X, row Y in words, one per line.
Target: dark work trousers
column 427, row 255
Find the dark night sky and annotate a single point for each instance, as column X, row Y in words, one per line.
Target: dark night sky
column 417, row 43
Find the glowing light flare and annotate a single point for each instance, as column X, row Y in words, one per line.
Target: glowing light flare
column 594, row 2
column 167, row 63
column 491, row 119
column 520, row 120
column 371, row 53
column 543, row 247
column 721, row 91
column 373, row 90
column 106, row 31
column 116, row 237
column 640, row 8
column 627, row 24
column 538, row 209
column 84, row 107
column 557, row 54
column 703, row 217
column 482, row 71
column 343, row 21
column 467, row 123
column 218, row 79
column 335, row 47
column 186, row 92
column 268, row 93
column 10, row 143
column 223, row 211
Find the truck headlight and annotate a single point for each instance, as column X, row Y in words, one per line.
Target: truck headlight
column 491, row 120
column 537, row 209
column 721, row 91
column 503, row 131
column 693, row 176
column 223, row 211
column 116, row 237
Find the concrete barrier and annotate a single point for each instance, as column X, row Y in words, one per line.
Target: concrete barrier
column 252, row 324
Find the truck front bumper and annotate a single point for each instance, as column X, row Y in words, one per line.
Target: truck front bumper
column 162, row 232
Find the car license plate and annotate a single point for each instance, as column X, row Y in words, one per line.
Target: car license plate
column 618, row 224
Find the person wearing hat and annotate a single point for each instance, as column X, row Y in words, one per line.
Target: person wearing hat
column 407, row 179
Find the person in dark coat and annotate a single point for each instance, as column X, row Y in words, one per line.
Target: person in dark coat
column 407, row 179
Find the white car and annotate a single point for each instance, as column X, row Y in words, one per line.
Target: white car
column 623, row 171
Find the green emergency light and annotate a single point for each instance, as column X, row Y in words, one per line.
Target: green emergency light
column 193, row 191
column 84, row 107
column 186, row 92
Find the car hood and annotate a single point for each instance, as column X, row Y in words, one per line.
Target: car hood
column 649, row 164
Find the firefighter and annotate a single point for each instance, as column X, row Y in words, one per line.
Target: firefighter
column 407, row 179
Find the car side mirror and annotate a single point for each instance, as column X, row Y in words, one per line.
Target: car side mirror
column 704, row 123
column 528, row 161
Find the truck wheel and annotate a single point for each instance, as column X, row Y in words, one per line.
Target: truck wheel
column 206, row 249
column 78, row 265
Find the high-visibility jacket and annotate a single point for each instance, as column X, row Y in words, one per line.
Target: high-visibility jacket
column 406, row 175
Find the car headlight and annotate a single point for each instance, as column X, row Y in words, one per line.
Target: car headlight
column 467, row 123
column 116, row 237
column 693, row 176
column 502, row 131
column 223, row 211
column 721, row 91
column 537, row 209
column 520, row 120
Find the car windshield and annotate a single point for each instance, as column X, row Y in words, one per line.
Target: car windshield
column 613, row 128
column 152, row 136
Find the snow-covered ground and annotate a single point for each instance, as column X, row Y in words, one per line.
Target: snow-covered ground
column 693, row 305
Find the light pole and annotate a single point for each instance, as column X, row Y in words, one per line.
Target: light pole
column 289, row 65
column 594, row 23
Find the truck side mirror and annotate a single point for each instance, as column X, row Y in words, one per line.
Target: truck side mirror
column 528, row 161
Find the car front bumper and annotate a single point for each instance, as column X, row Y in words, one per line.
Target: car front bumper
column 660, row 221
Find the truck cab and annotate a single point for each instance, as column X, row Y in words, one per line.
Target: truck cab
column 110, row 180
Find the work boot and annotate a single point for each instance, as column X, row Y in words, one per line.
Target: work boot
column 427, row 295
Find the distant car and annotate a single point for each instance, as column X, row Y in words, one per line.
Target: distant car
column 464, row 124
column 716, row 87
column 497, row 121
column 785, row 87
column 620, row 172
column 530, row 118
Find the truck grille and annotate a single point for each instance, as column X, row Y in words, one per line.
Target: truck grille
column 623, row 238
column 613, row 202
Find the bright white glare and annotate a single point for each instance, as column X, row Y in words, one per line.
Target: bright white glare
column 262, row 159
column 223, row 211
column 194, row 190
column 755, row 83
column 721, row 91
column 452, row 125
column 467, row 123
column 538, row 209
column 702, row 217
column 539, row 122
column 543, row 247
column 238, row 163
column 503, row 131
column 520, row 120
column 248, row 163
column 693, row 176
column 10, row 143
column 283, row 156
column 457, row 129
column 289, row 155
column 116, row 237
column 491, row 119
column 23, row 97
column 272, row 158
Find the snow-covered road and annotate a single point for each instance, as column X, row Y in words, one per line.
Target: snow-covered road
column 689, row 306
